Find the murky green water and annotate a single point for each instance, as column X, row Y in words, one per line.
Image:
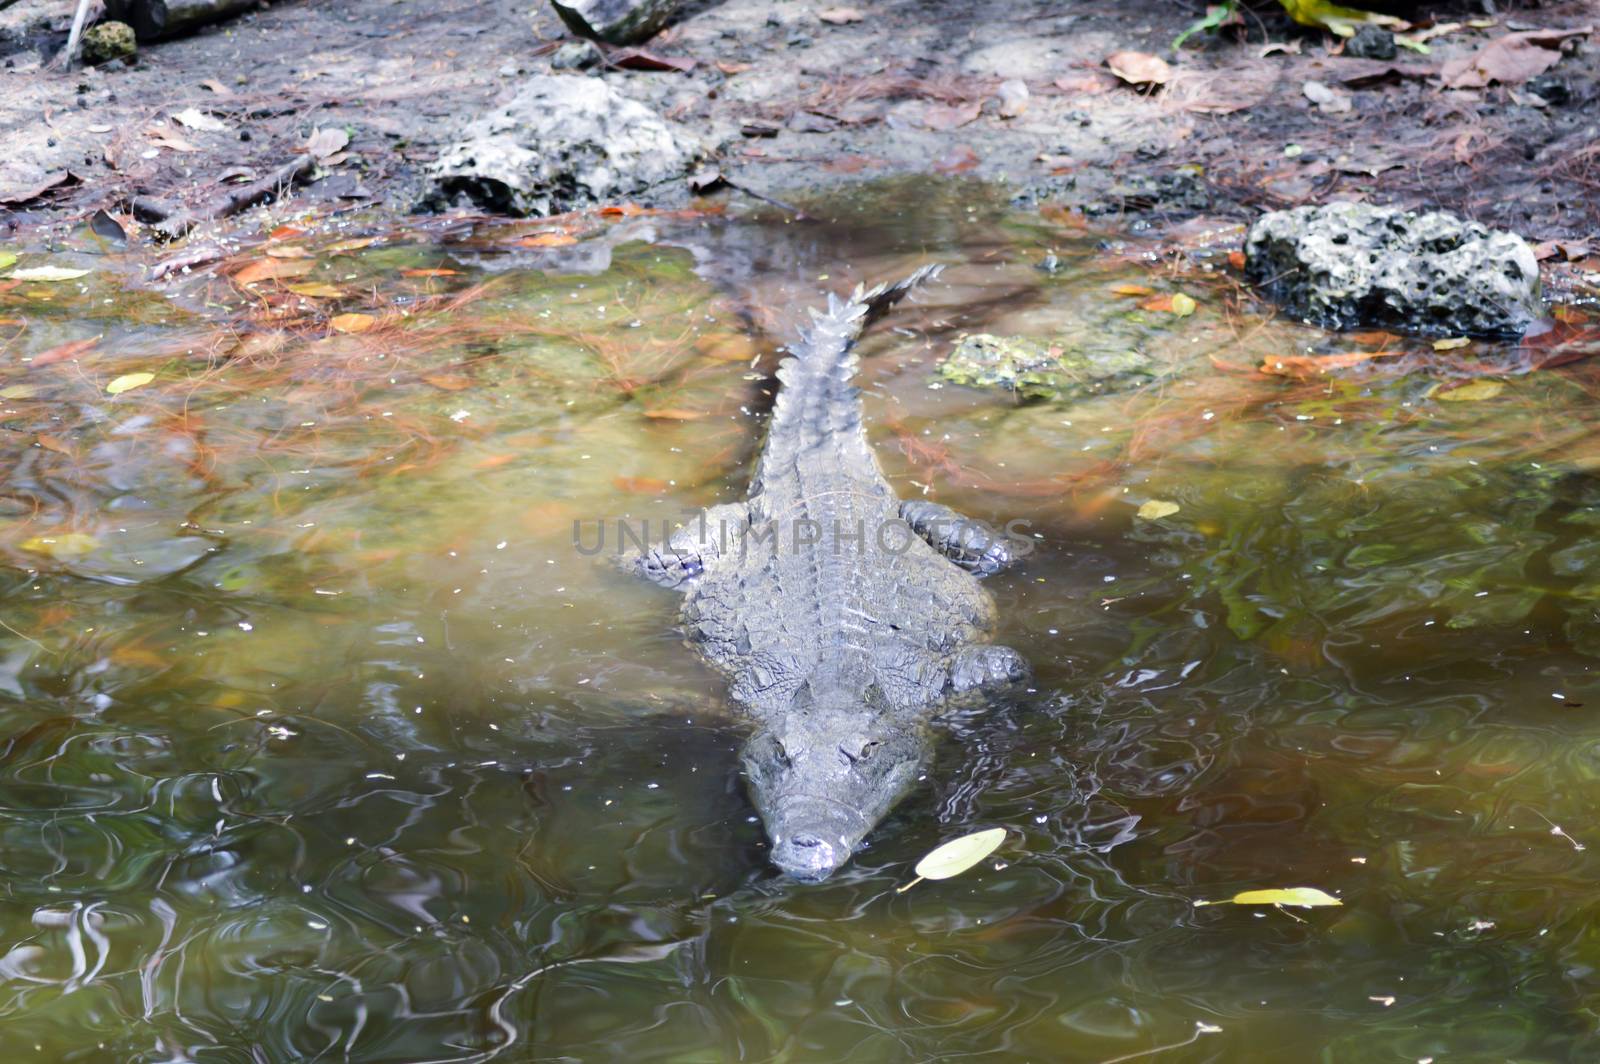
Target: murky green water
column 319, row 741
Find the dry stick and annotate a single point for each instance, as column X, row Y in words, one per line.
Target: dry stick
column 174, row 221
column 79, row 17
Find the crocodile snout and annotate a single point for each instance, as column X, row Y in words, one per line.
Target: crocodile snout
column 808, row 856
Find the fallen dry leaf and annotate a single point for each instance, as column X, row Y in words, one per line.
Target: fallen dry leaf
column 1139, row 68
column 1328, row 101
column 958, row 160
column 352, row 323
column 169, row 139
column 63, row 352
column 325, row 142
column 1510, row 59
column 272, row 269
column 839, row 16
column 316, row 290
column 1132, row 290
column 943, row 119
column 731, row 69
column 195, row 118
column 547, row 240
column 1302, row 366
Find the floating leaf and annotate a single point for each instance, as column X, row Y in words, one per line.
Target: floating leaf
column 1303, row 897
column 1156, row 509
column 62, row 544
column 288, row 251
column 271, row 269
column 128, row 382
column 1473, row 392
column 547, row 240
column 316, row 289
column 429, row 273
column 1131, row 290
column 673, row 414
column 1182, row 305
column 48, row 273
column 1451, row 344
column 353, row 323
column 957, row 855
column 353, row 245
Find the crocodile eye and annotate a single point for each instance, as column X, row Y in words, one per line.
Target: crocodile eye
column 781, row 754
column 866, row 749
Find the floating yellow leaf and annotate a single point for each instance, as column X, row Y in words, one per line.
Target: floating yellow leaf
column 353, row 323
column 1182, row 305
column 62, row 544
column 1451, row 344
column 352, row 245
column 1132, row 290
column 957, row 855
column 6, row 259
column 47, row 273
column 1156, row 509
column 129, row 381
column 315, row 289
column 1471, row 393
column 1303, row 897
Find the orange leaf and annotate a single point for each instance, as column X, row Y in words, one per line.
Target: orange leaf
column 429, row 273
column 62, row 352
column 547, row 240
column 316, row 289
column 449, row 383
column 1303, row 366
column 494, row 461
column 1139, row 68
column 1236, row 259
column 1163, row 302
column 732, row 68
column 50, row 443
column 674, row 414
column 271, row 269
column 625, row 209
column 353, row 323
column 641, row 485
column 284, row 232
column 1131, row 290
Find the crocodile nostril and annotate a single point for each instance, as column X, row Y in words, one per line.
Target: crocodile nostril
column 807, row 842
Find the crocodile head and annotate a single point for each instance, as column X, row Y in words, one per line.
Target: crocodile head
column 822, row 779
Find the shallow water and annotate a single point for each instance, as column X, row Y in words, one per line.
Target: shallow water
column 319, row 739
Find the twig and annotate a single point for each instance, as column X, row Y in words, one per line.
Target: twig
column 174, row 221
column 79, row 17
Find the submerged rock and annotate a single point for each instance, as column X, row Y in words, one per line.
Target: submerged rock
column 1348, row 265
column 1041, row 370
column 563, row 142
column 615, row 21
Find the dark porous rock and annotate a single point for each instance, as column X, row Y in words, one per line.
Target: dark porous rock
column 577, row 55
column 1352, row 265
column 615, row 21
column 562, row 143
column 1371, row 42
column 108, row 41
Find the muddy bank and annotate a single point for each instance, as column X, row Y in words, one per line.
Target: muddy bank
column 785, row 101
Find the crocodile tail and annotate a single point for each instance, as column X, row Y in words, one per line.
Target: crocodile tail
column 816, row 400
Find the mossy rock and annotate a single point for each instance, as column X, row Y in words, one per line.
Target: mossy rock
column 1041, row 369
column 107, row 41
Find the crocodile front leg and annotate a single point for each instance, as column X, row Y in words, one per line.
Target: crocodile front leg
column 969, row 543
column 985, row 667
column 690, row 550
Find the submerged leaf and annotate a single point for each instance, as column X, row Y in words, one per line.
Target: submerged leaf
column 1451, row 344
column 1303, row 897
column 7, row 258
column 1471, row 393
column 353, row 323
column 62, row 544
column 1156, row 509
column 129, row 381
column 316, row 289
column 48, row 273
column 1182, row 305
column 958, row 855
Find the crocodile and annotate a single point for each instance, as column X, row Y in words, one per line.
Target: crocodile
column 844, row 620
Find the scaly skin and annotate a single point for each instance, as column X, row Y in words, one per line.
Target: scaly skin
column 842, row 650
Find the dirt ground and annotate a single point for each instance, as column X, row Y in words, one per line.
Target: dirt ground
column 787, row 102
